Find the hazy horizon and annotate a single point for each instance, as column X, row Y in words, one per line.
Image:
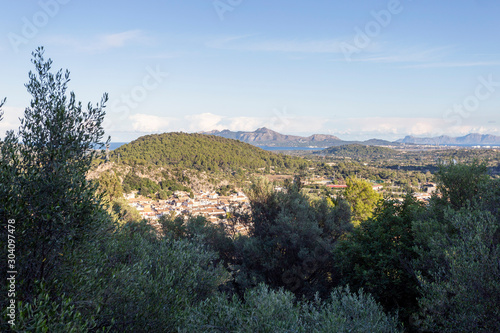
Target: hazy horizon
column 303, row 135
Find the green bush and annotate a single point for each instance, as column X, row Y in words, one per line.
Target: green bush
column 460, row 184
column 266, row 310
column 46, row 314
column 199, row 230
column 377, row 256
column 461, row 287
column 458, row 249
column 143, row 282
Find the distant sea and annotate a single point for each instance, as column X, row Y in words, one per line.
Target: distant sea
column 114, row 145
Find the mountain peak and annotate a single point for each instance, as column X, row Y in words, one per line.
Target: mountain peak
column 264, row 136
column 263, row 130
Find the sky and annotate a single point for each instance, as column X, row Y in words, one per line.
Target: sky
column 355, row 69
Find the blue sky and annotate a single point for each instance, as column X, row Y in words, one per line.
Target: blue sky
column 355, row 69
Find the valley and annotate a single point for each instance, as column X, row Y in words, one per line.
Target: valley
column 158, row 178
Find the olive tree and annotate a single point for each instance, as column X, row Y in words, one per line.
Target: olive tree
column 461, row 288
column 43, row 175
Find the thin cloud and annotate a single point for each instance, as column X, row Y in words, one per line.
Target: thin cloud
column 418, row 58
column 103, row 42
column 119, row 39
column 397, row 55
column 456, row 64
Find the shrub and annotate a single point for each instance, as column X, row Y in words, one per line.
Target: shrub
column 290, row 241
column 266, row 310
column 146, row 283
column 377, row 256
column 461, row 286
column 46, row 314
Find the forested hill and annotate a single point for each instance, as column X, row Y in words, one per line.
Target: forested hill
column 357, row 151
column 201, row 152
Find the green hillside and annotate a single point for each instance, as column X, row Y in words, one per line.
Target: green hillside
column 359, row 151
column 200, row 152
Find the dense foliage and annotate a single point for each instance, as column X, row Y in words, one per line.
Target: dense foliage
column 266, row 310
column 437, row 265
column 458, row 248
column 360, row 151
column 201, row 152
column 149, row 188
column 460, row 287
column 290, row 240
column 42, row 177
column 377, row 256
column 362, row 199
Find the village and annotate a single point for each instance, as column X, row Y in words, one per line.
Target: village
column 209, row 204
column 215, row 208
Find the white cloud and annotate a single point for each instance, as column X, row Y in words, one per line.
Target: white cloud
column 150, row 123
column 398, row 127
column 243, row 123
column 278, row 120
column 203, row 122
column 390, row 128
column 375, row 52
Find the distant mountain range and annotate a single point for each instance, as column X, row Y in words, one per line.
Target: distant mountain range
column 467, row 140
column 266, row 137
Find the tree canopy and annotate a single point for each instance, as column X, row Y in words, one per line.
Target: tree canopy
column 362, row 198
column 357, row 150
column 201, row 152
column 43, row 173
